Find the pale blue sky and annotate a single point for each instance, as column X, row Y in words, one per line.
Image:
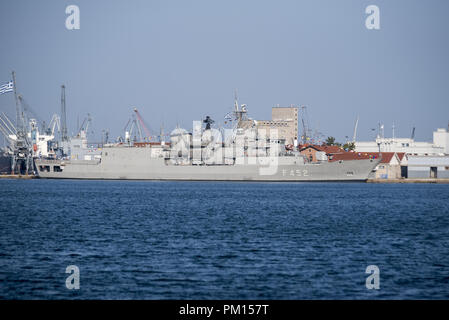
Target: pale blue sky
column 178, row 61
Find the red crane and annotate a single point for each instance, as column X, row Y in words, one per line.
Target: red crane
column 142, row 124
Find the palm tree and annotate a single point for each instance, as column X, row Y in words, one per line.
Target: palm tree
column 330, row 141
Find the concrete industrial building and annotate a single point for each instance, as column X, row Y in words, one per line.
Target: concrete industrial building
column 427, row 167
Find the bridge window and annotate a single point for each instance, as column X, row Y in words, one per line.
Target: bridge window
column 44, row 168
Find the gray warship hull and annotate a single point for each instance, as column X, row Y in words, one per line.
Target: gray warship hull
column 138, row 164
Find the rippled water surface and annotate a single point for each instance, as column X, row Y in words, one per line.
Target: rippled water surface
column 183, row 240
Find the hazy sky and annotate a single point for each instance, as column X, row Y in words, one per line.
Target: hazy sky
column 178, row 61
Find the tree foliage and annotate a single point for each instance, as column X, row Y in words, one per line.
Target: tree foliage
column 349, row 146
column 330, row 141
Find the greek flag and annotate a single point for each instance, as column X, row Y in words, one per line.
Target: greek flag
column 6, row 88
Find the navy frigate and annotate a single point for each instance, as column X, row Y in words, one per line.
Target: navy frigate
column 242, row 153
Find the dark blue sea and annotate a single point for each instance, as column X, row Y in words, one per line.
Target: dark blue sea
column 198, row 240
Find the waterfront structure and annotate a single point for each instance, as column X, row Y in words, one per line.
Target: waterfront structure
column 427, row 166
column 439, row 146
column 390, row 165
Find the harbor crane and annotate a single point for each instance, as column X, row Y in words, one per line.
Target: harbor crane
column 142, row 124
column 84, row 128
column 54, row 122
column 64, row 136
column 134, row 127
column 63, row 120
column 22, row 148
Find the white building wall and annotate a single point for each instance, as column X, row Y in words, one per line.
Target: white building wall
column 429, row 161
column 398, row 145
column 419, row 166
column 441, row 139
column 440, row 145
